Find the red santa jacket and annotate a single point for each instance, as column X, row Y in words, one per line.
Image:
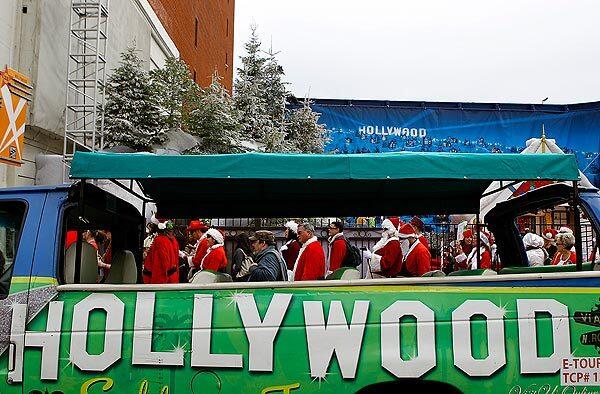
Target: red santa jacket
column 424, row 241
column 417, row 261
column 310, row 264
column 337, row 252
column 200, row 251
column 557, row 260
column 290, row 251
column 485, row 261
column 391, row 258
column 214, row 259
column 161, row 264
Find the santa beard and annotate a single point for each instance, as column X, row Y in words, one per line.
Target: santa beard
column 404, row 246
column 381, row 243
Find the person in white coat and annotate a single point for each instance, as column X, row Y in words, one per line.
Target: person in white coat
column 534, row 247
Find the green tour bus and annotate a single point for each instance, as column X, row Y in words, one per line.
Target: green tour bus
column 520, row 330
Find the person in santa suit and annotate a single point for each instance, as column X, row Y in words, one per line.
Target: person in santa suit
column 162, row 261
column 416, row 259
column 337, row 246
column 197, row 233
column 292, row 246
column 464, row 248
column 485, row 255
column 466, row 243
column 418, row 225
column 386, row 258
column 310, row 264
column 549, row 236
column 564, row 243
column 215, row 258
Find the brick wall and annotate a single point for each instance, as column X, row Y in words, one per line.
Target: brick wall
column 202, row 30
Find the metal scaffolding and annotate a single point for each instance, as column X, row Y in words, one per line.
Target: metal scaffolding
column 86, row 77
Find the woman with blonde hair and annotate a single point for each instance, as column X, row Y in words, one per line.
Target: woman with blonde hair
column 564, row 243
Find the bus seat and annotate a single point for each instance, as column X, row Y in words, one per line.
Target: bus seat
column 479, row 272
column 344, row 273
column 543, row 269
column 210, row 276
column 434, row 273
column 122, row 269
column 89, row 264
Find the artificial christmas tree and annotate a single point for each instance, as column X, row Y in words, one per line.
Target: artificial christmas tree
column 214, row 121
column 131, row 116
column 305, row 134
column 172, row 87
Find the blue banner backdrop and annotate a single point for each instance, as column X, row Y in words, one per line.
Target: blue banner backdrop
column 386, row 126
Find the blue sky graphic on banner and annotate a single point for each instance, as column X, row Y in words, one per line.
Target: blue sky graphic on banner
column 380, row 126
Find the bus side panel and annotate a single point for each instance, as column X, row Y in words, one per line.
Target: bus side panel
column 320, row 340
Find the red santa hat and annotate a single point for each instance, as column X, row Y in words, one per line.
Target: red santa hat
column 196, row 225
column 468, row 234
column 391, row 223
column 417, row 223
column 216, row 235
column 292, row 226
column 407, row 230
column 549, row 234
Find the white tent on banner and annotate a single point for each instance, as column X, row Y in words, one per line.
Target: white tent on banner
column 533, row 145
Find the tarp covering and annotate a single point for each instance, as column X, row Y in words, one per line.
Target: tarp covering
column 255, row 184
column 361, row 126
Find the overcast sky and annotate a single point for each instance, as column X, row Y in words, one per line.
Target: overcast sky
column 517, row 51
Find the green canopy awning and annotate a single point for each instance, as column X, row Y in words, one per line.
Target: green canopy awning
column 255, row 184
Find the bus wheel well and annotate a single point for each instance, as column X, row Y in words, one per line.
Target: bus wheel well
column 409, row 384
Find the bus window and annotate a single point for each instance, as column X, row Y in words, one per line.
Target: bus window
column 11, row 221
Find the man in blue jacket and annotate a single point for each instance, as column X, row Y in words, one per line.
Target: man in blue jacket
column 270, row 265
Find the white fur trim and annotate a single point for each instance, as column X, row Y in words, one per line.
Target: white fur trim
column 382, row 242
column 484, row 238
column 387, row 224
column 208, row 251
column 291, row 225
column 331, row 240
column 412, row 247
column 404, row 236
column 302, row 249
column 162, row 226
column 216, row 235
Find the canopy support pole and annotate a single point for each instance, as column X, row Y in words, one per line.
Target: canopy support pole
column 577, row 225
column 130, row 190
column 502, row 187
column 143, row 232
column 478, row 240
column 77, row 274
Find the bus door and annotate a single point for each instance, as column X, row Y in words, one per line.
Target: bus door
column 20, row 215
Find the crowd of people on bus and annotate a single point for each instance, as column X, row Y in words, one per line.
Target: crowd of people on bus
column 552, row 247
column 401, row 251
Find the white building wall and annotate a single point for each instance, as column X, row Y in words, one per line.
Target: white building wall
column 40, row 38
column 7, row 31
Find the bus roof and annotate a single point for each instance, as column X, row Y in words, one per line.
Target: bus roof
column 317, row 184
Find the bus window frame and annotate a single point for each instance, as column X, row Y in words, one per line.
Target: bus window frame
column 6, row 275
